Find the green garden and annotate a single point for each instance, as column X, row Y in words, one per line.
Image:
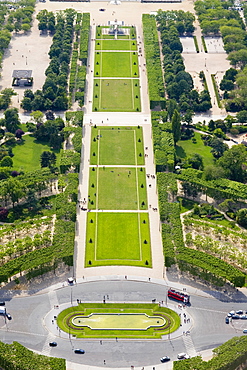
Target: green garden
column 117, row 199
column 117, row 188
column 121, row 320
column 116, row 72
column 113, row 95
column 117, row 146
column 115, row 238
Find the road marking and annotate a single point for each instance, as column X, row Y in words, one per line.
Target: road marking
column 46, row 350
column 189, row 345
column 52, row 295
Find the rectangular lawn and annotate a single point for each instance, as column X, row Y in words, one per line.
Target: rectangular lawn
column 117, row 146
column 116, row 64
column 117, row 188
column 106, row 245
column 113, row 95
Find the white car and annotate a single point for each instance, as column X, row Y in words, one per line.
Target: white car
column 183, row 356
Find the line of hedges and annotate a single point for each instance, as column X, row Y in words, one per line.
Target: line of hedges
column 84, row 38
column 152, row 55
column 163, row 142
column 217, row 189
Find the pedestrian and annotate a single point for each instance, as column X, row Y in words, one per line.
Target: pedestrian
column 100, row 341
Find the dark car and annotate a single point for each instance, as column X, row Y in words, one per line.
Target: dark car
column 80, row 351
column 164, row 359
column 239, row 312
column 53, row 344
column 2, row 303
column 227, row 320
column 101, row 10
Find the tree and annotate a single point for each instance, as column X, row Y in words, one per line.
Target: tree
column 5, row 97
column 233, row 162
column 13, row 189
column 12, row 121
column 242, row 116
column 218, row 147
column 3, row 213
column 241, row 217
column 213, row 172
column 196, row 161
column 47, row 159
column 37, row 116
column 6, row 162
column 19, row 133
column 176, row 126
column 26, row 27
column 226, row 85
column 26, row 104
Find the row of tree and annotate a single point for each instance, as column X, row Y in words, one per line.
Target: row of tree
column 179, row 83
column 54, row 91
column 222, row 19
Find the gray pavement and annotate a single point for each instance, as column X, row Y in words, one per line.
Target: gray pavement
column 32, row 323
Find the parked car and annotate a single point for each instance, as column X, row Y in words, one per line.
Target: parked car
column 53, row 344
column 235, row 317
column 243, row 317
column 2, row 303
column 164, row 359
column 80, row 351
column 239, row 312
column 227, row 320
column 245, row 331
column 9, row 317
column 182, row 356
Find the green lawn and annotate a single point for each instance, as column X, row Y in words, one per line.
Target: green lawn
column 27, row 154
column 116, row 45
column 116, row 188
column 113, row 95
column 172, row 320
column 115, row 238
column 117, row 146
column 186, row 148
column 116, row 64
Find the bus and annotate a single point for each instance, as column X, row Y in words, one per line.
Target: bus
column 179, row 296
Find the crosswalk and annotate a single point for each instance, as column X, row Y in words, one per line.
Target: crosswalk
column 189, row 345
column 46, row 350
column 53, row 298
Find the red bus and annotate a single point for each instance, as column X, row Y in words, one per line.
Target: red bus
column 179, row 296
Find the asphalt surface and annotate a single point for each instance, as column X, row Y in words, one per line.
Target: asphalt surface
column 32, row 324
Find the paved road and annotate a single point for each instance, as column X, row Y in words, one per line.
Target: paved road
column 33, row 328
